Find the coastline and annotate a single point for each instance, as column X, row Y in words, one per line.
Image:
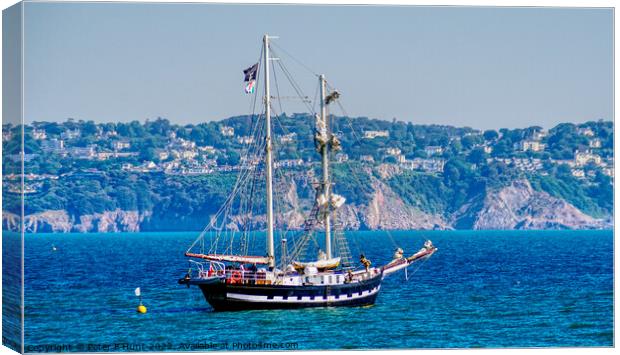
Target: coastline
column 395, row 231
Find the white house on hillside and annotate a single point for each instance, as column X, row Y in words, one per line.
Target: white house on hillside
column 376, row 134
column 531, row 145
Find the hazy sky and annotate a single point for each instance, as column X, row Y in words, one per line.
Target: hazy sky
column 480, row 67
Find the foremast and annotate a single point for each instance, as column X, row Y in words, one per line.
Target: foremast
column 268, row 157
column 326, row 185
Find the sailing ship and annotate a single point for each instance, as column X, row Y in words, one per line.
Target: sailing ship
column 234, row 280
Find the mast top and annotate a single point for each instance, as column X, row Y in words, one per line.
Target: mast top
column 267, row 36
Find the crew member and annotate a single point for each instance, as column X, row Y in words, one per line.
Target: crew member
column 365, row 262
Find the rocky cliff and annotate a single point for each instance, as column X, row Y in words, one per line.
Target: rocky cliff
column 387, row 210
column 60, row 221
column 517, row 206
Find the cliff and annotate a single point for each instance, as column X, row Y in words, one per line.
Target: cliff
column 517, row 206
column 387, row 210
column 59, row 221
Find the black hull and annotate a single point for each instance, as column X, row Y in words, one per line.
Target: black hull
column 233, row 297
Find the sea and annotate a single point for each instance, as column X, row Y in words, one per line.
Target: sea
column 482, row 289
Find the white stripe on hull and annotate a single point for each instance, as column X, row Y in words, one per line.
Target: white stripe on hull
column 304, row 299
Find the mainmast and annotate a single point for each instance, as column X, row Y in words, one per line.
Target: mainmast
column 268, row 157
column 325, row 164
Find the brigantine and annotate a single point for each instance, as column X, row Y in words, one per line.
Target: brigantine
column 234, row 280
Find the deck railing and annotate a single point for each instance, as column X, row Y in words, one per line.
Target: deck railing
column 215, row 269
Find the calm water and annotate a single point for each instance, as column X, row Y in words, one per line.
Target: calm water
column 481, row 289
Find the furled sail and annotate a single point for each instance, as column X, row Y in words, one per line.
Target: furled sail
column 336, row 201
column 246, row 259
column 320, row 132
column 335, row 144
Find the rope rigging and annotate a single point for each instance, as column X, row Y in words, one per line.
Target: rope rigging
column 240, row 179
column 358, row 140
column 232, row 224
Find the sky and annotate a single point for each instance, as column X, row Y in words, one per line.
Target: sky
column 482, row 67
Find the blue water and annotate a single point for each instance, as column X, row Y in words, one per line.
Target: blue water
column 481, row 289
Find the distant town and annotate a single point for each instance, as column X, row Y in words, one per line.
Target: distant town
column 177, row 155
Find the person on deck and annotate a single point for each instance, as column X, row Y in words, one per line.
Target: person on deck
column 253, row 270
column 365, row 262
column 349, row 277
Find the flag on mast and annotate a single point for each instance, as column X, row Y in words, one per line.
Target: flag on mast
column 137, row 291
column 249, row 77
column 250, row 87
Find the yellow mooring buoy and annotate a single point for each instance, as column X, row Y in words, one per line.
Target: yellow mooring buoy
column 141, row 309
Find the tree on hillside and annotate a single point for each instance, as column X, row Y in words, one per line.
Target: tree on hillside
column 490, row 135
column 477, row 156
